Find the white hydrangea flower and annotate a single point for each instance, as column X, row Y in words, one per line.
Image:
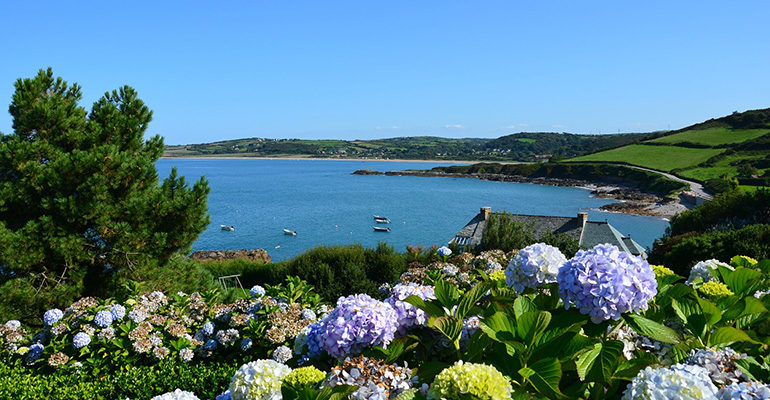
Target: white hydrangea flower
column 258, row 380
column 703, row 270
column 177, row 395
column 533, row 266
column 682, row 382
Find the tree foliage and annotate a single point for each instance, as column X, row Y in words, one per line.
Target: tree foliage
column 79, row 193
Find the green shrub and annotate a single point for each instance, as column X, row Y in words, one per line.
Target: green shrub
column 728, row 210
column 137, row 383
column 680, row 253
column 504, row 233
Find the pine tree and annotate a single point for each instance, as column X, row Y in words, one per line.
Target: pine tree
column 79, row 194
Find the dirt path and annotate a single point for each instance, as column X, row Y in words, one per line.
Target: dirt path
column 695, row 187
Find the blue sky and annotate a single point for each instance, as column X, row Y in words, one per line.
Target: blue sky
column 361, row 69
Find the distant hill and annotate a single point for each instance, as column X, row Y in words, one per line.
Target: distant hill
column 733, row 146
column 516, row 147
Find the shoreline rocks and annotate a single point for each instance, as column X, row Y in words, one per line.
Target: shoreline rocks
column 224, row 255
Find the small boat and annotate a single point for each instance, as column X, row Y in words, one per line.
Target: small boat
column 227, row 227
column 380, row 217
column 289, row 232
column 381, row 229
column 382, row 221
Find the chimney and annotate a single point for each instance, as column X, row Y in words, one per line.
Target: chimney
column 582, row 218
column 486, row 211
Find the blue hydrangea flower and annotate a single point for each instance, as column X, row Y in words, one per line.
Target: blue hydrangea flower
column 407, row 314
column 257, row 292
column 605, row 282
column 13, row 324
column 246, row 344
column 208, row 328
column 52, row 316
column 444, row 251
column 533, row 266
column 684, row 382
column 81, row 340
column 308, row 314
column 103, row 319
column 744, row 391
column 118, row 312
column 357, row 322
column 35, row 351
column 210, row 345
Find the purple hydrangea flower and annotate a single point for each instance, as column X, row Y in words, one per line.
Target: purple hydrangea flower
column 533, row 266
column 409, row 315
column 103, row 319
column 744, row 391
column 605, row 282
column 357, row 322
column 52, row 316
column 118, row 312
column 311, row 339
column 444, row 251
column 81, row 340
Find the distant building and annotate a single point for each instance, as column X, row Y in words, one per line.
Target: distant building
column 587, row 233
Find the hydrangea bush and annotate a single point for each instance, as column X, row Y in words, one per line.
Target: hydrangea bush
column 407, row 315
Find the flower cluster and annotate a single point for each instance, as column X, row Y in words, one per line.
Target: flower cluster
column 52, row 316
column 258, row 380
column 409, row 316
column 375, row 379
column 661, row 271
column 605, row 282
column 715, row 290
column 304, row 376
column 177, row 395
column 720, row 364
column 11, row 333
column 257, row 291
column 705, row 270
column 533, row 266
column 444, row 251
column 633, row 342
column 679, row 381
column 744, row 391
column 357, row 322
column 480, row 381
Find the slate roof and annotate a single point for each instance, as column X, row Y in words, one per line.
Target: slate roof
column 588, row 235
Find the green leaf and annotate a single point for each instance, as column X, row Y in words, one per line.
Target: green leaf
column 446, row 293
column 598, row 364
column 531, row 324
column 522, row 305
column 754, row 370
column 430, row 308
column 545, row 375
column 727, row 335
column 451, row 327
column 499, row 326
column 476, row 345
column 651, row 329
column 628, row 369
column 763, row 266
column 712, row 312
column 470, row 298
column 741, row 279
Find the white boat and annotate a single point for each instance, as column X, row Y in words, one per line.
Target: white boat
column 381, row 229
column 289, row 232
column 227, row 227
column 381, row 220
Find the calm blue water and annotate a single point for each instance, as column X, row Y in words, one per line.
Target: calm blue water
column 325, row 204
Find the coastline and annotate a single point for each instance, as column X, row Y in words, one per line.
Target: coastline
column 334, row 159
column 630, row 200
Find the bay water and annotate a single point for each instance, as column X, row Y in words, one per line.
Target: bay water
column 326, row 205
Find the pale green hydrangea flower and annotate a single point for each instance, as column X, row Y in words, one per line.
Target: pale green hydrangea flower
column 661, row 271
column 304, row 376
column 716, row 290
column 481, row 381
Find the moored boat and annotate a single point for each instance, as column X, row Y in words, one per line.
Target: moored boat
column 289, row 232
column 227, row 227
column 381, row 229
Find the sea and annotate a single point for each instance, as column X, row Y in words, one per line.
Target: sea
column 326, row 205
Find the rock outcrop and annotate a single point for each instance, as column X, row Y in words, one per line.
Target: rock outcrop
column 223, row 255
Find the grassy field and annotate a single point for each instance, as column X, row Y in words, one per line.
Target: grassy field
column 712, row 136
column 663, row 158
column 751, row 189
column 721, row 167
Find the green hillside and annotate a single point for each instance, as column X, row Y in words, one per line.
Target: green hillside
column 734, row 146
column 516, row 147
